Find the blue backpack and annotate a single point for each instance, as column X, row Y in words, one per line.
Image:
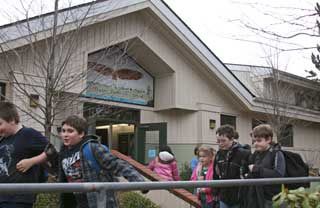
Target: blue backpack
column 88, row 155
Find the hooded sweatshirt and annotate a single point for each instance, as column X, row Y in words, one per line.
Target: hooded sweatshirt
column 165, row 166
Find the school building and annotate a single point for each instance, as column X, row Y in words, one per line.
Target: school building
column 149, row 80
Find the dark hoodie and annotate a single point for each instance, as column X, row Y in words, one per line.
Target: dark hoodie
column 111, row 168
column 231, row 164
column 267, row 164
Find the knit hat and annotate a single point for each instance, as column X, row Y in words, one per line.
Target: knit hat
column 165, row 156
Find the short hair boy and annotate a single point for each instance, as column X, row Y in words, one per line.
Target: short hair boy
column 230, row 163
column 74, row 167
column 17, row 142
column 266, row 162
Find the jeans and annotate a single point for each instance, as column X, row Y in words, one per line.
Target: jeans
column 224, row 205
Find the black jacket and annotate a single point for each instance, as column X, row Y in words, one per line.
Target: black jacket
column 267, row 164
column 231, row 164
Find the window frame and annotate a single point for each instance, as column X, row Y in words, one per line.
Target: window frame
column 286, row 132
column 2, row 90
column 228, row 117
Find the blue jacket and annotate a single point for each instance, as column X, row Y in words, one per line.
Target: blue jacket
column 111, row 167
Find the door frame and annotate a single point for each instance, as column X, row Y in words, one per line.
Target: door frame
column 141, row 138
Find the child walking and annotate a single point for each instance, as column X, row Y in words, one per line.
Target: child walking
column 75, row 167
column 266, row 162
column 204, row 171
column 17, row 142
column 165, row 165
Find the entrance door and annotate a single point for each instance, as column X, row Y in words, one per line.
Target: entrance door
column 125, row 143
column 103, row 133
column 150, row 137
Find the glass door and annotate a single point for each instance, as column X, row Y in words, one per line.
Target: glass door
column 149, row 138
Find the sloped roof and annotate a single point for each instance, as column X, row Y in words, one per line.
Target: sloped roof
column 243, row 72
column 15, row 32
column 20, row 29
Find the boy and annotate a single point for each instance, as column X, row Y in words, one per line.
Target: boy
column 266, row 162
column 74, row 167
column 17, row 142
column 230, row 163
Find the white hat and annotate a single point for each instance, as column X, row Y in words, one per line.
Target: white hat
column 165, row 156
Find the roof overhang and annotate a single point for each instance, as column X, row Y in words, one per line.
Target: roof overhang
column 266, row 106
column 104, row 10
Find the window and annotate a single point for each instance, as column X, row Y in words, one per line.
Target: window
column 2, row 91
column 257, row 122
column 286, row 136
column 225, row 119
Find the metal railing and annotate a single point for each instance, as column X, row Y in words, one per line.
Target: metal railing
column 117, row 186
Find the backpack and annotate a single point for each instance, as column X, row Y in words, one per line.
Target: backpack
column 88, row 155
column 295, row 167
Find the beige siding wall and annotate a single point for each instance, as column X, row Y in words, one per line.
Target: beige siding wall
column 307, row 142
column 164, row 92
column 244, row 125
column 181, row 124
column 306, row 135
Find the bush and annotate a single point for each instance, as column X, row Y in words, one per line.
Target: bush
column 185, row 171
column 297, row 198
column 126, row 200
column 185, row 174
column 135, row 200
column 48, row 200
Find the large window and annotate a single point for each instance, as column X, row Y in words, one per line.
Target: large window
column 286, row 136
column 226, row 119
column 2, row 91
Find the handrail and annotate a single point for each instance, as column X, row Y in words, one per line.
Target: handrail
column 116, row 186
column 146, row 172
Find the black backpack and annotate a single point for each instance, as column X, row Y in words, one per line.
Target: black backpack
column 295, row 167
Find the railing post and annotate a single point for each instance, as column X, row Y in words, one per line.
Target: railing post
column 101, row 198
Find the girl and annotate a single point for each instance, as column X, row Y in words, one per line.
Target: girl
column 165, row 165
column 204, row 171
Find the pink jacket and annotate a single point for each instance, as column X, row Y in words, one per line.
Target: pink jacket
column 167, row 171
column 209, row 176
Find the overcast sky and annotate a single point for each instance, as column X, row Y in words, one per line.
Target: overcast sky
column 220, row 25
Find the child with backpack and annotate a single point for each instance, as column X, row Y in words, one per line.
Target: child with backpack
column 165, row 165
column 75, row 166
column 204, row 171
column 266, row 162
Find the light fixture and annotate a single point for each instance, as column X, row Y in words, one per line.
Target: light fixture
column 103, row 127
column 33, row 100
column 212, row 124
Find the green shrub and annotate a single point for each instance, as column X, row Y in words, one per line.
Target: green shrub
column 298, row 198
column 185, row 171
column 47, row 200
column 185, row 174
column 135, row 200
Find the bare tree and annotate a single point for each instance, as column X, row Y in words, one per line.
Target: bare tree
column 275, row 94
column 299, row 23
column 281, row 99
column 41, row 71
column 37, row 70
